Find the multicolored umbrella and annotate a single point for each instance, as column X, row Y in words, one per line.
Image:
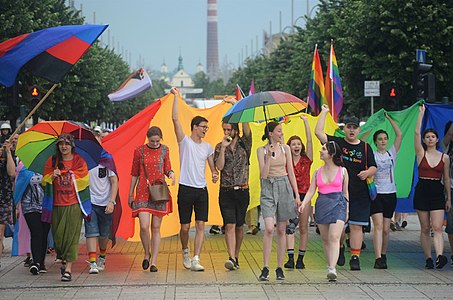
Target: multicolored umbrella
column 37, row 144
column 264, row 106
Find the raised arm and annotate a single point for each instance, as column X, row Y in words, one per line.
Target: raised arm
column 177, row 125
column 309, row 144
column 398, row 133
column 10, row 165
column 417, row 136
column 319, row 129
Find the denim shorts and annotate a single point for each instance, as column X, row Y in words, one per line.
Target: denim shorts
column 100, row 223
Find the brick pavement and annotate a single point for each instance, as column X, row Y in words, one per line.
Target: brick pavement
column 123, row 277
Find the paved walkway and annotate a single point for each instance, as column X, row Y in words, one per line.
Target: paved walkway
column 124, row 278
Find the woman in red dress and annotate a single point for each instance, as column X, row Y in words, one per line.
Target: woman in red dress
column 155, row 157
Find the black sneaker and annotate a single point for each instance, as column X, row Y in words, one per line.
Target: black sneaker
column 215, row 229
column 230, row 264
column 354, row 263
column 289, row 264
column 341, row 259
column 34, row 269
column 441, row 261
column 237, row 262
column 300, row 264
column 264, row 274
column 279, row 273
column 363, row 246
column 42, row 269
column 429, row 263
column 384, row 257
column 379, row 263
column 28, row 262
column 404, row 224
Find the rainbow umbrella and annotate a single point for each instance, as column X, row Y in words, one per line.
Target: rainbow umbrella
column 37, row 144
column 264, row 106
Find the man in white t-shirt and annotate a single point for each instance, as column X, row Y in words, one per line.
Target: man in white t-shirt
column 103, row 190
column 192, row 192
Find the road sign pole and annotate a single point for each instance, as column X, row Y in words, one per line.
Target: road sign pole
column 372, row 105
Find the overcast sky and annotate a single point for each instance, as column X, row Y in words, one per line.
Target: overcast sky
column 159, row 30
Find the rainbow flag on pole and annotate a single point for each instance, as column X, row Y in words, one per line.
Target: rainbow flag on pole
column 316, row 92
column 334, row 93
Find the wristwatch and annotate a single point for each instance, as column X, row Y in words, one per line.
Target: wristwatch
column 113, row 201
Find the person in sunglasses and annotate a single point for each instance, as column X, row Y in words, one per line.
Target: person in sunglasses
column 359, row 161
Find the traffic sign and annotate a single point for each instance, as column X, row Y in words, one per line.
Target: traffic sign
column 372, row 89
column 420, row 56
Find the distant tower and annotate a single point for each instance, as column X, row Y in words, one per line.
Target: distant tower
column 212, row 59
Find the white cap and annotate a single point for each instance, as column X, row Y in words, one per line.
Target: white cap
column 5, row 126
column 97, row 128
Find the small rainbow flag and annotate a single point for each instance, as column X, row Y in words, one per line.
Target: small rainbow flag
column 334, row 93
column 316, row 92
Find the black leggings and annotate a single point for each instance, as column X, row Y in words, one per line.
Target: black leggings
column 38, row 231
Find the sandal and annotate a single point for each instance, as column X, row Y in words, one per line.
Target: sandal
column 66, row 276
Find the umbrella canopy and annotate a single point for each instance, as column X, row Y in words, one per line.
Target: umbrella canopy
column 37, row 144
column 251, row 108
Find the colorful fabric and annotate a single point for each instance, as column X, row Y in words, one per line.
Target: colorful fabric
column 157, row 164
column 6, row 192
column 80, row 178
column 334, row 93
column 49, row 53
column 316, row 91
column 135, row 85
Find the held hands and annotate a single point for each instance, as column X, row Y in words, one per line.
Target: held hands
column 301, row 206
column 215, row 177
column 298, row 202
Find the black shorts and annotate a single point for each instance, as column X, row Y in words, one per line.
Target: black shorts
column 233, row 205
column 359, row 210
column 385, row 204
column 192, row 199
column 429, row 195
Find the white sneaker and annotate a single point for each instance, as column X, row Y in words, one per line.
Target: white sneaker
column 101, row 264
column 331, row 274
column 93, row 268
column 196, row 265
column 186, row 258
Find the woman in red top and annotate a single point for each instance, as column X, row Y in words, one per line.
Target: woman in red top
column 429, row 198
column 156, row 159
column 302, row 160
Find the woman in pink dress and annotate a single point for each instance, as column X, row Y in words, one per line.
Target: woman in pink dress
column 155, row 157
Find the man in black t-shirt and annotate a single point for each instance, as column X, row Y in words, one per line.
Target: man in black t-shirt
column 359, row 160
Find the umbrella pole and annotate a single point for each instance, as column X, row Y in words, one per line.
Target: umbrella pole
column 265, row 117
column 34, row 110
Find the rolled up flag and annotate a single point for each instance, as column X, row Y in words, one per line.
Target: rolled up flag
column 135, row 85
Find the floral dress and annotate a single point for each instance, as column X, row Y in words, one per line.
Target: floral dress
column 157, row 164
column 6, row 193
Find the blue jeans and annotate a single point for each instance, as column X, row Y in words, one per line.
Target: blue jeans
column 100, row 223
